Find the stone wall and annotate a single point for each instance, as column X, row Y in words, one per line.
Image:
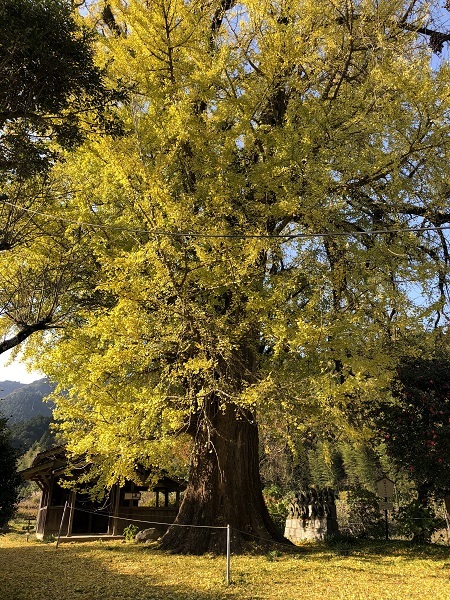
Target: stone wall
column 312, row 516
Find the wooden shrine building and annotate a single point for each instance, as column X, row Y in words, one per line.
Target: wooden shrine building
column 85, row 517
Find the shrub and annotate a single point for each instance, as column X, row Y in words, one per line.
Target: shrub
column 359, row 514
column 130, row 532
column 277, row 504
column 10, row 480
column 417, row 521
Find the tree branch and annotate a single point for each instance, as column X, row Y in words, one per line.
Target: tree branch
column 25, row 333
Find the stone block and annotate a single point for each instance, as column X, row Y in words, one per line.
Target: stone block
column 147, row 534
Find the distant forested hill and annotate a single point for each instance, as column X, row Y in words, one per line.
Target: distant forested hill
column 6, row 387
column 29, row 418
column 26, row 434
column 25, row 402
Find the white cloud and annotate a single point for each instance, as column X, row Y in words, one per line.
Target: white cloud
column 16, row 371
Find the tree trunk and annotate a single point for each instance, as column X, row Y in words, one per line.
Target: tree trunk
column 224, row 488
column 423, row 493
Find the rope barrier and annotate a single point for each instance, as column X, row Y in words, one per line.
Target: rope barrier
column 110, row 516
column 165, row 523
column 336, row 550
column 129, row 519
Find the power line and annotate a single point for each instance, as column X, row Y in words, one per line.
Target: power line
column 242, row 236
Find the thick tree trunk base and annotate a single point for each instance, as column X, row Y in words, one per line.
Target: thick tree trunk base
column 224, row 489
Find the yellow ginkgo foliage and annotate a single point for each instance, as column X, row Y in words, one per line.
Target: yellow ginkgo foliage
column 255, row 235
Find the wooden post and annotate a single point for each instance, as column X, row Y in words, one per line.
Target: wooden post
column 386, row 520
column 61, row 524
column 228, row 554
column 72, row 510
column 116, row 509
column 43, row 508
column 447, row 515
column 447, row 521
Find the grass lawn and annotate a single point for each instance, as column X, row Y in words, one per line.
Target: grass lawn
column 115, row 570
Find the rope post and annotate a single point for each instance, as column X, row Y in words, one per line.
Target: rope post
column 61, row 524
column 228, row 553
column 386, row 525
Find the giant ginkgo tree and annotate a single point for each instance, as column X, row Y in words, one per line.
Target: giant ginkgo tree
column 263, row 239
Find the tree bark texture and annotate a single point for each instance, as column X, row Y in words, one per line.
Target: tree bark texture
column 224, row 488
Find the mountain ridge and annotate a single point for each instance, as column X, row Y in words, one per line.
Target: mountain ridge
column 8, row 386
column 25, row 401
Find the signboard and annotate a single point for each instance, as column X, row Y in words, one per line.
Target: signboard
column 132, row 495
column 385, row 505
column 385, row 488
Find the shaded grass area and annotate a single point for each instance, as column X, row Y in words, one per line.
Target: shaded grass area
column 95, row 570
